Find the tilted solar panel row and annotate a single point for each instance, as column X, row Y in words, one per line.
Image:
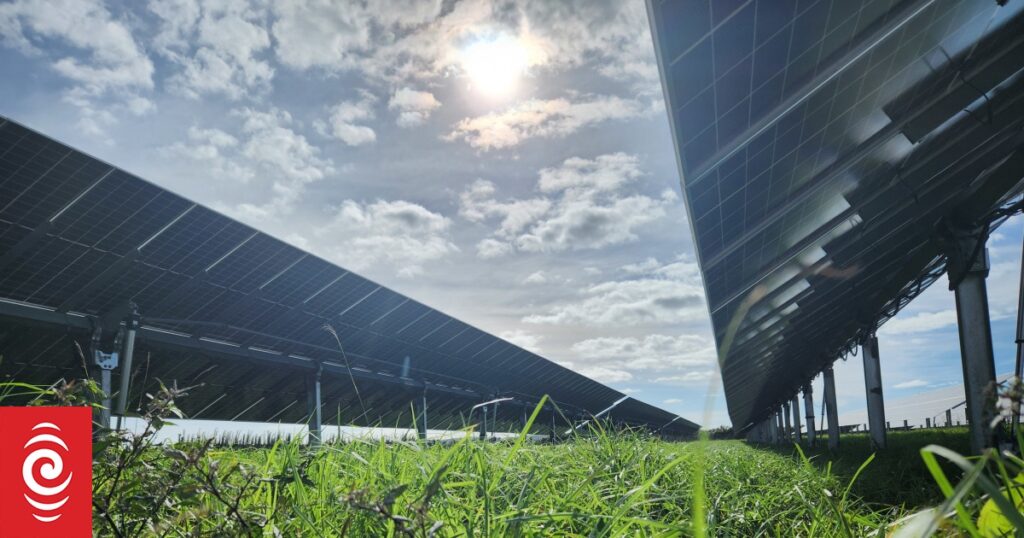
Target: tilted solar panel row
column 231, row 311
column 826, row 147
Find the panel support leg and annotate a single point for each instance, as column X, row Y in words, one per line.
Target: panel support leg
column 483, row 423
column 553, row 436
column 829, row 377
column 968, row 268
column 795, row 407
column 421, row 417
column 873, row 389
column 788, row 427
column 949, row 417
column 1018, row 370
column 314, row 408
column 131, row 326
column 809, row 410
column 106, row 363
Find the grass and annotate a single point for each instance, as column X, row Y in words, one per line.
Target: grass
column 596, row 483
column 897, row 476
column 600, row 485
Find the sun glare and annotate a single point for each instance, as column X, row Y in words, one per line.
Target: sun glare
column 495, row 66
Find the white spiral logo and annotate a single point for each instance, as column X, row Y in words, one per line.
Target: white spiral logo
column 50, row 470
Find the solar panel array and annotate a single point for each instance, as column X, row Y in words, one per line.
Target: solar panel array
column 820, row 144
column 236, row 314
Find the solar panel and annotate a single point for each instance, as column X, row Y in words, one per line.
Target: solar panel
column 234, row 314
column 820, row 143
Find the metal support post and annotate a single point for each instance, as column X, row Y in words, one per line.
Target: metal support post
column 1018, row 369
column 421, row 417
column 809, row 410
column 483, row 423
column 968, row 267
column 949, row 417
column 795, row 406
column 780, row 436
column 553, row 437
column 786, row 423
column 131, row 326
column 829, row 377
column 106, row 363
column 314, row 407
column 928, row 423
column 873, row 389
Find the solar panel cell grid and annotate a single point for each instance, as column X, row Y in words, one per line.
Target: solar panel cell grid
column 246, row 311
column 783, row 114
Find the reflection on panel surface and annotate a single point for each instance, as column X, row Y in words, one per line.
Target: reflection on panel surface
column 820, row 143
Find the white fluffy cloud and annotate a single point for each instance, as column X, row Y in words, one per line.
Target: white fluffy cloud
column 267, row 153
column 219, row 46
column 112, row 58
column 402, row 40
column 523, row 339
column 342, row 121
column 339, row 35
column 217, row 150
column 535, row 118
column 413, row 107
column 655, row 352
column 537, row 277
column 398, row 235
column 668, row 295
column 107, row 68
column 630, row 303
column 919, row 323
column 582, row 206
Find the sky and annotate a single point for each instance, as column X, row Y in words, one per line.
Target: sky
column 509, row 163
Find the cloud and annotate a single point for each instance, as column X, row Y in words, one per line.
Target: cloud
column 336, row 36
column 605, row 375
column 90, row 47
column 403, row 40
column 674, row 357
column 112, row 60
column 582, row 206
column 552, row 118
column 400, row 235
column 266, row 148
column 490, row 248
column 584, row 178
column 341, row 123
column 523, row 339
column 688, row 378
column 218, row 46
column 414, row 107
column 670, row 295
column 919, row 323
column 611, row 35
column 914, row 383
column 216, row 149
column 537, row 277
column 672, row 401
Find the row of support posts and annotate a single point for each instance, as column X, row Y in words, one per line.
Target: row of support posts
column 967, row 266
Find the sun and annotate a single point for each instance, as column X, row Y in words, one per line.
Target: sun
column 495, row 66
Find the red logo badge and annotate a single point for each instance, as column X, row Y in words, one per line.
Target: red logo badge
column 45, row 471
